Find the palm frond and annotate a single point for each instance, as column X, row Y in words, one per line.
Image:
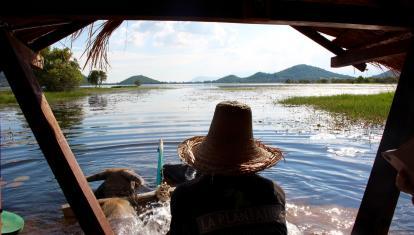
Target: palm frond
column 97, row 46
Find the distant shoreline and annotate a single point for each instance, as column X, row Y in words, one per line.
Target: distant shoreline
column 7, row 97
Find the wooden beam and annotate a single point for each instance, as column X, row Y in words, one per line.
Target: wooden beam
column 30, row 57
column 38, row 26
column 298, row 13
column 381, row 195
column 49, row 137
column 373, row 38
column 370, row 54
column 58, row 34
column 327, row 44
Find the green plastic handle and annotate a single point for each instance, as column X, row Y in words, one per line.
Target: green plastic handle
column 160, row 162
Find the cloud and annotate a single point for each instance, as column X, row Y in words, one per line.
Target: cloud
column 179, row 51
column 174, row 35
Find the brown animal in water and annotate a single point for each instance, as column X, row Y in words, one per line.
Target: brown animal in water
column 118, row 182
column 121, row 215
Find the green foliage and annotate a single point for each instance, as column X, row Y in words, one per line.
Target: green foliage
column 7, row 97
column 324, row 80
column 60, row 72
column 371, row 108
column 359, row 80
column 97, row 77
column 137, row 83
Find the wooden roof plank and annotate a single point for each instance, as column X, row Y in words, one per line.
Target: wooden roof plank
column 57, row 35
column 299, row 13
column 361, row 38
column 370, row 54
column 321, row 40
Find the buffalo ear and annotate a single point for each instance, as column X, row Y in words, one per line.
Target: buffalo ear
column 99, row 176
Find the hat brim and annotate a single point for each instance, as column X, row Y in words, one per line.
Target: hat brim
column 263, row 158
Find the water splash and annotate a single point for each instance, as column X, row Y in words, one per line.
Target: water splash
column 323, row 136
column 154, row 219
column 321, row 219
column 346, row 151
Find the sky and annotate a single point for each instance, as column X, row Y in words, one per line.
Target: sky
column 180, row 51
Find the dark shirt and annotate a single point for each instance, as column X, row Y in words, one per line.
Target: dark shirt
column 247, row 204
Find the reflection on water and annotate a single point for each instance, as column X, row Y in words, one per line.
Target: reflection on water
column 68, row 114
column 98, row 102
column 324, row 175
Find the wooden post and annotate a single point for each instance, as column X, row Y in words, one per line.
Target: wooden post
column 49, row 137
column 381, row 195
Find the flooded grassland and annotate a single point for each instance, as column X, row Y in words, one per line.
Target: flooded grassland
column 326, row 167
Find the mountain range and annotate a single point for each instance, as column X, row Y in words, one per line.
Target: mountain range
column 387, row 74
column 294, row 73
column 297, row 72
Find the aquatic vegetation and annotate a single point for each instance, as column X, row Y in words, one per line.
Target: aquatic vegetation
column 7, row 97
column 368, row 108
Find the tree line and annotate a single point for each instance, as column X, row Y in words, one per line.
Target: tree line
column 61, row 72
column 358, row 80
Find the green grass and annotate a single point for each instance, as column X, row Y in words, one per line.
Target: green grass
column 369, row 108
column 7, row 97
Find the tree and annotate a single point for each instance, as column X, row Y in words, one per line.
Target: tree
column 97, row 77
column 360, row 79
column 323, row 80
column 137, row 83
column 60, row 72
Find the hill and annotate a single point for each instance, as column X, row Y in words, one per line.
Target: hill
column 262, row 77
column 229, row 79
column 387, row 74
column 142, row 79
column 295, row 73
column 307, row 72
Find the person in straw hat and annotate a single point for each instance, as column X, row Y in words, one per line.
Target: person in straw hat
column 229, row 197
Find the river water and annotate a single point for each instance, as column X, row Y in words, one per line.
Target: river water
column 327, row 159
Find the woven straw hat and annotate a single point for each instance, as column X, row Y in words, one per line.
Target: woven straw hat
column 229, row 148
